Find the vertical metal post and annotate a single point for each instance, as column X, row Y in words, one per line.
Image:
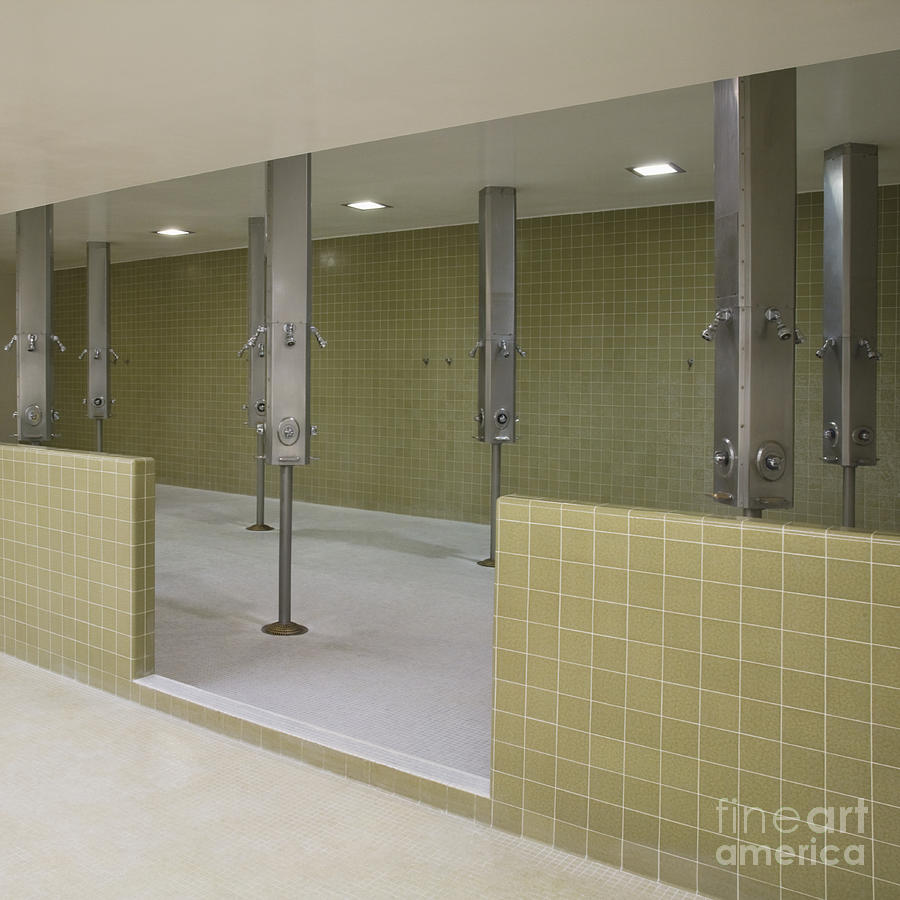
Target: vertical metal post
column 497, row 317
column 848, row 517
column 755, row 202
column 256, row 378
column 34, row 296
column 495, row 496
column 850, row 314
column 99, row 405
column 288, row 306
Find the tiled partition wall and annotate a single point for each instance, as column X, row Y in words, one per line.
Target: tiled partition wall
column 672, row 689
column 615, row 395
column 76, row 563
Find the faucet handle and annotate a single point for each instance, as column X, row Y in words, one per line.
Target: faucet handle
column 503, row 348
column 83, row 353
column 317, row 335
column 12, row 341
column 113, row 354
column 59, row 343
column 475, row 349
column 520, row 351
column 829, row 342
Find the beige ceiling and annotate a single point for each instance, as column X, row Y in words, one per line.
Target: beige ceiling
column 104, row 94
column 561, row 161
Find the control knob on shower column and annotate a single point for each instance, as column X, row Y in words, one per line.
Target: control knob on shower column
column 722, row 315
column 871, row 352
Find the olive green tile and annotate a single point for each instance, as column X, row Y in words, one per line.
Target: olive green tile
column 683, row 559
column 576, row 613
column 722, row 564
column 849, row 580
column 886, row 584
column 646, row 554
column 848, row 659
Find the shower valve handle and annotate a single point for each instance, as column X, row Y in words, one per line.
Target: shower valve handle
column 113, row 354
column 59, row 343
column 520, row 351
column 473, row 352
column 315, row 333
column 12, row 341
column 503, row 348
column 829, row 342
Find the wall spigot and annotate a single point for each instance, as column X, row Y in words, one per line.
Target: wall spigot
column 799, row 336
column 315, row 333
column 520, row 351
column 83, row 354
column 722, row 315
column 32, row 343
column 113, row 354
column 59, row 343
column 774, row 315
column 503, row 348
column 12, row 341
column 871, row 352
column 289, row 338
column 474, row 351
column 829, row 342
column 250, row 342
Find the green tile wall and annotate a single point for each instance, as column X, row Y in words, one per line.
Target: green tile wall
column 77, row 563
column 651, row 664
column 615, row 396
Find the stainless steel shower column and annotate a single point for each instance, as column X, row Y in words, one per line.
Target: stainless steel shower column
column 34, row 296
column 98, row 351
column 755, row 200
column 497, row 307
column 256, row 345
column 288, row 306
column 850, row 314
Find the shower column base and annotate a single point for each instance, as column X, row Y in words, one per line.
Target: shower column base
column 288, row 628
column 489, row 562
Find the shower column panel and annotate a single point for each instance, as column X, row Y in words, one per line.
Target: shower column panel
column 288, row 307
column 497, row 313
column 34, row 297
column 755, row 209
column 850, row 313
column 256, row 345
column 98, row 351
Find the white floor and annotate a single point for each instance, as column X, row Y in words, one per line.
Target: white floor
column 103, row 798
column 398, row 653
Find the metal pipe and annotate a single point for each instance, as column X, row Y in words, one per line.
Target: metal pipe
column 260, row 523
column 99, row 435
column 284, row 625
column 848, row 519
column 495, row 496
column 750, row 513
column 284, row 545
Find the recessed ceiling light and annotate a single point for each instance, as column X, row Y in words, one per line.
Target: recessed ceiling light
column 172, row 232
column 366, row 204
column 666, row 168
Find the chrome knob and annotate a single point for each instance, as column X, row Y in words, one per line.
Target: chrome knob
column 829, row 342
column 870, row 351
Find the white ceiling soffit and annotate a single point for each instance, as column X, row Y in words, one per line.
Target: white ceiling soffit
column 566, row 160
column 106, row 94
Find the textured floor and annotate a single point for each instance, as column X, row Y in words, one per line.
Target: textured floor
column 399, row 648
column 103, row 798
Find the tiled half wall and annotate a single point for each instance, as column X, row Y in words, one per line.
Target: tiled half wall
column 660, row 677
column 77, row 563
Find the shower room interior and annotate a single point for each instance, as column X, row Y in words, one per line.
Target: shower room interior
column 326, row 392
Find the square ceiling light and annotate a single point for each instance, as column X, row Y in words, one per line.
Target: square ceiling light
column 666, row 168
column 366, row 204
